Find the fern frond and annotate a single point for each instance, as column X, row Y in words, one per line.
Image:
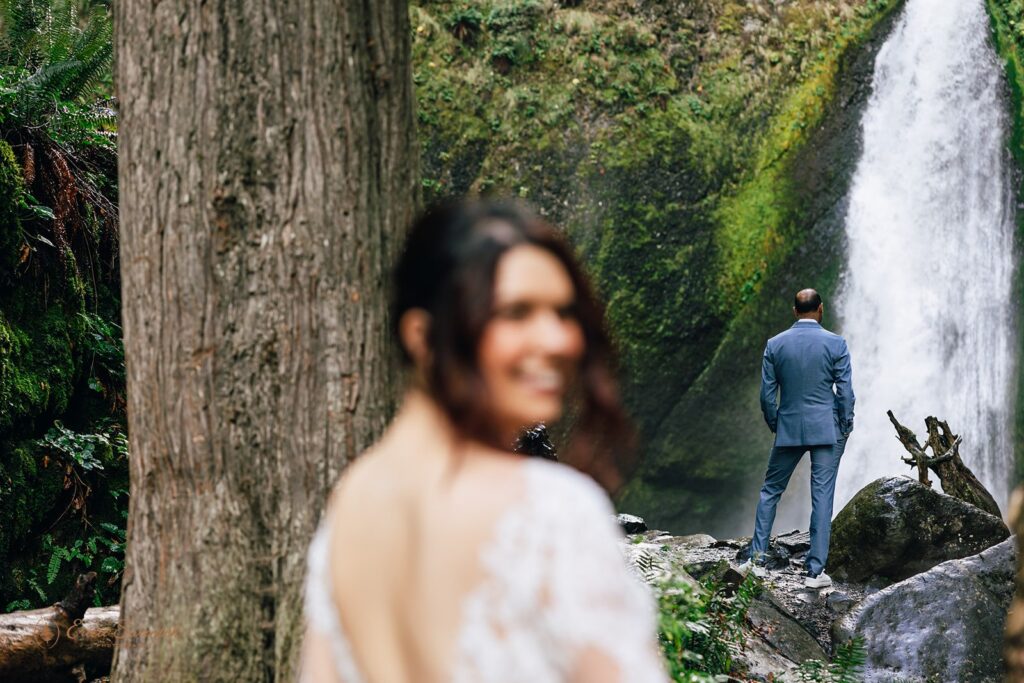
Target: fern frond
column 54, row 565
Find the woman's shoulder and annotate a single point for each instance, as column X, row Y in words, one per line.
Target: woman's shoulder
column 572, row 492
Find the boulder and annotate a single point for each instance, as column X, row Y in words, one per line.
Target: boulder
column 631, row 524
column 897, row 527
column 945, row 624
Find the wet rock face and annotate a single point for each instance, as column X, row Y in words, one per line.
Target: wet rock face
column 896, row 527
column 945, row 624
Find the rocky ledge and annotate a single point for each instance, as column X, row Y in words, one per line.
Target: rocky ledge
column 920, row 618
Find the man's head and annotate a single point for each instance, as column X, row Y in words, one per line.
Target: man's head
column 807, row 305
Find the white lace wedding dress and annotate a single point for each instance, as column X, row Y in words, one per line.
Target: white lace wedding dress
column 557, row 587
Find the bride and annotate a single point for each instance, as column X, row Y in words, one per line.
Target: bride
column 443, row 555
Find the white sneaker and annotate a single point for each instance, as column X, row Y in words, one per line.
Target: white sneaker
column 822, row 580
column 748, row 566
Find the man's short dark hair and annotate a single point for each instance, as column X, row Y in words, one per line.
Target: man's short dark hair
column 808, row 302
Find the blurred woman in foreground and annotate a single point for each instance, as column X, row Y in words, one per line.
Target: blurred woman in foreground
column 443, row 555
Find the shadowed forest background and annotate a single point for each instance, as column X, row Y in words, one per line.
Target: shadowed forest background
column 699, row 155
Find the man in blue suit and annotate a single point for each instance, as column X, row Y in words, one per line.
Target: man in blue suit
column 800, row 368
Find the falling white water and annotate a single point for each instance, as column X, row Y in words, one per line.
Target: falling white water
column 925, row 302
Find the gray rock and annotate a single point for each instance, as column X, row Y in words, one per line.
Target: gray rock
column 693, row 541
column 759, row 661
column 839, row 603
column 631, row 524
column 945, row 624
column 896, row 527
column 795, row 541
column 734, row 543
column 778, row 628
column 776, row 557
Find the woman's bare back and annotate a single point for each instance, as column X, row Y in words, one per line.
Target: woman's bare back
column 443, row 564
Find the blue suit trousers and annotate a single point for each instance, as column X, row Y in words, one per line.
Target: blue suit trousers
column 824, row 467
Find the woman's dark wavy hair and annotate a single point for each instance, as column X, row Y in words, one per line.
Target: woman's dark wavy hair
column 447, row 269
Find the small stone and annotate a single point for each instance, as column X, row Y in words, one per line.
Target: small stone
column 838, row 602
column 631, row 524
column 693, row 541
column 795, row 541
column 734, row 543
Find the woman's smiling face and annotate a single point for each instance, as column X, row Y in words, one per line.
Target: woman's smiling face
column 530, row 349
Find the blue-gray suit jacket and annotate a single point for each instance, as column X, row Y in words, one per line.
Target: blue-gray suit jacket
column 801, row 365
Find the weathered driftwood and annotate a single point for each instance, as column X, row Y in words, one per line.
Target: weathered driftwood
column 61, row 643
column 956, row 478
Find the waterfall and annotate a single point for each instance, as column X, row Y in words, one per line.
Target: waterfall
column 925, row 302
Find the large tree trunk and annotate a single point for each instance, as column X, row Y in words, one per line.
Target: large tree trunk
column 267, row 170
column 1013, row 635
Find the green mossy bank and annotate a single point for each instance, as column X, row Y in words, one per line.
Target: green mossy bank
column 698, row 155
column 1007, row 18
column 58, row 313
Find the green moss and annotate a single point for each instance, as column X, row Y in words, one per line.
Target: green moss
column 37, row 364
column 28, row 490
column 46, row 363
column 668, row 139
column 11, row 195
column 756, row 222
column 1007, row 20
column 712, row 444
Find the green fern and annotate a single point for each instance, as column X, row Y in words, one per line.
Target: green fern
column 17, row 605
column 34, row 585
column 648, row 567
column 700, row 627
column 849, row 661
column 53, row 64
column 846, row 666
column 53, row 568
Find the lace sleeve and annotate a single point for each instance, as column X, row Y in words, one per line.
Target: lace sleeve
column 598, row 612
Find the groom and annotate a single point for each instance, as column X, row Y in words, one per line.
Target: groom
column 802, row 365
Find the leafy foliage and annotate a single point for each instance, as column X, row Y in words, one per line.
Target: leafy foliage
column 700, row 627
column 845, row 667
column 52, row 66
column 101, row 549
column 107, row 371
column 55, row 111
column 87, row 451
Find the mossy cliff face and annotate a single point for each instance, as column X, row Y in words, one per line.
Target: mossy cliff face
column 697, row 154
column 1007, row 18
column 30, row 382
column 46, row 374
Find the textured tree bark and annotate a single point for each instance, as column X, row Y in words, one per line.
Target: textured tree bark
column 267, row 171
column 1013, row 636
column 41, row 645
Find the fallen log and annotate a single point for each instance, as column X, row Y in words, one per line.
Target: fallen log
column 956, row 478
column 62, row 643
